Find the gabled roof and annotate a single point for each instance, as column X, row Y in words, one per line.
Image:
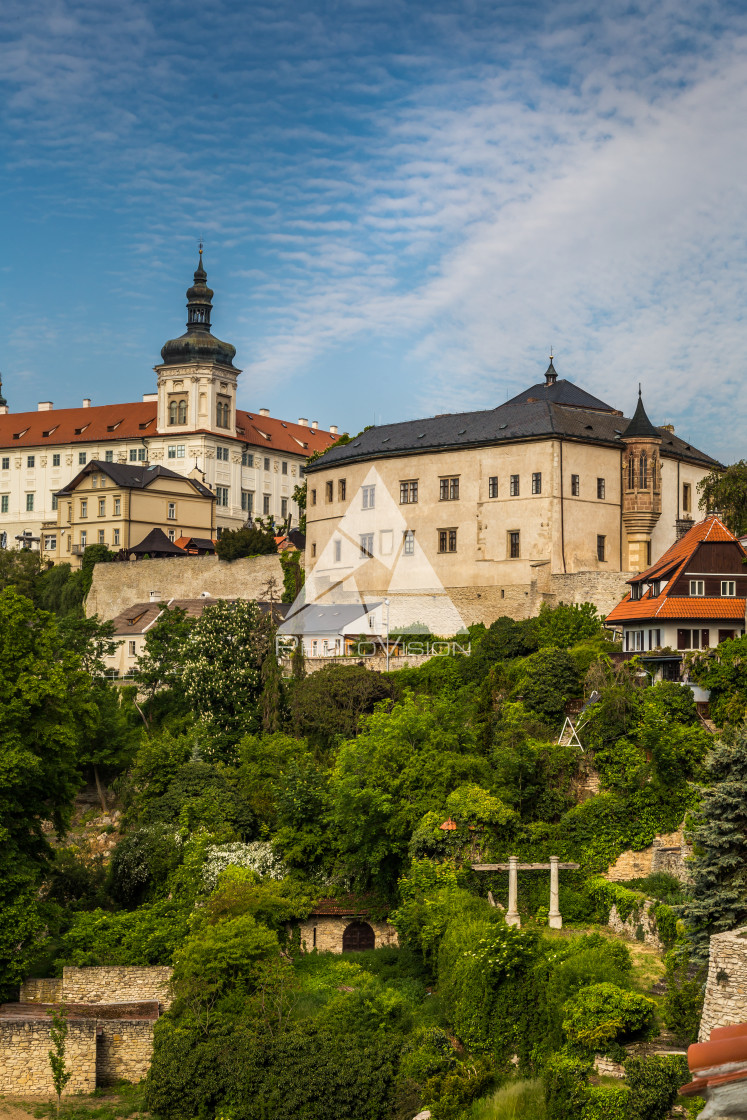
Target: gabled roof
column 670, row 567
column 316, row 618
column 139, row 618
column 156, row 543
column 134, row 476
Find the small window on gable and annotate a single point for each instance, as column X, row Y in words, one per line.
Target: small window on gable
column 728, row 587
column 697, row 587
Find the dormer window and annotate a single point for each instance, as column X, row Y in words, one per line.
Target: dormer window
column 654, row 588
column 635, row 591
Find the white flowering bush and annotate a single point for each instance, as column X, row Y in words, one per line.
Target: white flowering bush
column 258, row 856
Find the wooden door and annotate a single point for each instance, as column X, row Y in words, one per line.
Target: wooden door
column 357, row 937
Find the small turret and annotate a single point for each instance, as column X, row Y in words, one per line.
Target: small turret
column 641, row 486
column 3, row 403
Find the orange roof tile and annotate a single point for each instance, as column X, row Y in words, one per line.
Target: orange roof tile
column 109, row 422
column 679, row 606
column 710, row 529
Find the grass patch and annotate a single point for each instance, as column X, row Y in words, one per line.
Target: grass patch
column 118, row 1102
column 522, row 1100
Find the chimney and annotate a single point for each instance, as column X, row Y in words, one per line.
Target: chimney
column 86, row 402
column 150, row 397
column 264, row 412
column 333, row 429
column 44, row 406
column 302, row 421
column 315, row 424
column 155, row 596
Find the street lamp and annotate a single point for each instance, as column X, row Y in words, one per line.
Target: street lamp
column 386, row 604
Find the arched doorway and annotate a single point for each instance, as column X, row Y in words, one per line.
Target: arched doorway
column 357, row 937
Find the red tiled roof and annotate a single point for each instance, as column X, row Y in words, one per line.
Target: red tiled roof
column 108, row 422
column 339, row 907
column 671, row 565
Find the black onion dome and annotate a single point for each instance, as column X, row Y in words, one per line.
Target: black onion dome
column 198, row 344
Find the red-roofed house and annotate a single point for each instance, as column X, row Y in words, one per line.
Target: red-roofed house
column 693, row 597
column 251, row 461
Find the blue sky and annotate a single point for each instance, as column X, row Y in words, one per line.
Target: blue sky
column 404, row 205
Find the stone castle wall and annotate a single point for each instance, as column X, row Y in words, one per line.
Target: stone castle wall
column 24, row 1057
column 41, row 991
column 123, row 984
column 726, row 985
column 117, row 586
column 123, row 1051
column 329, row 931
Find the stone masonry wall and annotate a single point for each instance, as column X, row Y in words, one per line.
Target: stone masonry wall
column 41, row 991
column 116, row 984
column 329, row 931
column 124, row 1050
column 629, row 928
column 726, row 985
column 24, row 1057
column 668, row 852
column 117, row 586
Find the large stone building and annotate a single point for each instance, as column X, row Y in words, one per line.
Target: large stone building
column 553, row 495
column 191, row 424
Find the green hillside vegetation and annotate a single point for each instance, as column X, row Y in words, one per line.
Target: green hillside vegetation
column 247, row 798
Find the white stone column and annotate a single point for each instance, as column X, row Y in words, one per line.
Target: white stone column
column 512, row 914
column 554, row 919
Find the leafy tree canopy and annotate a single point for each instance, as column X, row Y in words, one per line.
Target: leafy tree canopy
column 234, row 544
column 726, row 491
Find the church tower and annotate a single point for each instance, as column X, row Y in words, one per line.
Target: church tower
column 197, row 377
column 641, row 487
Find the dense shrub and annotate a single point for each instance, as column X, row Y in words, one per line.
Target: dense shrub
column 654, row 1083
column 602, row 1013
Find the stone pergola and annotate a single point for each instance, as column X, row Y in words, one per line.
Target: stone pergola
column 554, row 918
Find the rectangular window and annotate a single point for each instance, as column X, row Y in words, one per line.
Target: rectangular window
column 102, row 481
column 30, row 461
column 686, row 497
column 408, row 542
column 600, row 489
column 537, row 482
column 172, row 511
column 329, row 491
column 728, row 587
column 313, row 550
column 601, row 548
column 575, row 485
column 635, row 591
column 408, row 492
column 131, row 648
column 247, row 501
column 633, row 640
column 338, row 551
column 342, row 489
column 493, row 486
column 101, row 536
column 654, row 639
column 117, row 507
column 4, row 500
column 513, row 486
column 50, row 544
column 313, row 497
column 283, row 467
column 447, row 540
column 133, row 455
column 366, row 541
column 81, row 458
column 514, row 544
column 55, row 460
column 102, row 507
column 697, row 587
column 267, row 464
column 83, row 539
column 55, row 500
column 172, row 451
column 84, row 508
column 6, row 462
column 94, row 481
column 138, row 454
column 247, row 459
column 449, row 489
column 108, row 456
column 265, row 504
column 116, row 537
column 369, row 496
column 654, row 589
column 172, row 535
column 688, row 639
column 283, row 507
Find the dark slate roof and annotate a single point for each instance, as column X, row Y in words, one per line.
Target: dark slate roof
column 156, row 543
column 640, row 425
column 134, row 476
column 509, row 422
column 562, row 392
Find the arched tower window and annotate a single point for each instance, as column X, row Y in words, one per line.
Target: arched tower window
column 643, row 475
column 172, row 412
column 631, row 473
column 182, row 412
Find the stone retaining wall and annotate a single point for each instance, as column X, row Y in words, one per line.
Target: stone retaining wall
column 669, row 852
column 115, row 985
column 726, row 985
column 41, row 991
column 123, row 1051
column 24, row 1057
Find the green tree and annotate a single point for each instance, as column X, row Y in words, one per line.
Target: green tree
column 723, row 672
column 548, row 680
column 58, row 1037
column 293, row 575
column 726, row 491
column 719, row 890
column 272, row 689
column 233, row 544
column 566, row 624
column 160, row 663
column 20, row 568
column 329, row 704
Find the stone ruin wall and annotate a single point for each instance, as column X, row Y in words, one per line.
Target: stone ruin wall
column 629, row 928
column 24, row 1057
column 125, row 984
column 123, row 1051
column 726, row 985
column 669, row 852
